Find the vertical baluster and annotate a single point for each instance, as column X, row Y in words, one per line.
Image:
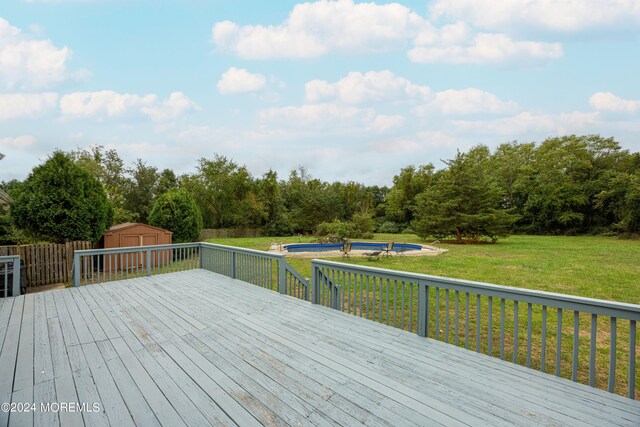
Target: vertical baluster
column 349, row 293
column 411, row 307
column 632, row 360
column 543, row 350
column 576, row 341
column 437, row 335
column 612, row 356
column 456, row 303
column 515, row 331
column 402, row 311
column 381, row 299
column 466, row 320
column 360, row 302
column 559, row 342
column 502, row 328
column 426, row 306
column 592, row 350
column 373, row 300
column 366, row 300
column 387, row 292
column 478, row 322
column 529, row 320
column 446, row 316
column 395, row 302
column 490, row 327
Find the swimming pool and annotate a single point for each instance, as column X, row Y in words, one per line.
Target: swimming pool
column 355, row 246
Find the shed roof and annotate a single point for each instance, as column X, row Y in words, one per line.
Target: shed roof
column 126, row 225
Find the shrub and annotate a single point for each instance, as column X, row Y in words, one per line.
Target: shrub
column 388, row 227
column 408, row 230
column 368, row 235
column 176, row 210
column 363, row 222
column 338, row 230
column 61, row 201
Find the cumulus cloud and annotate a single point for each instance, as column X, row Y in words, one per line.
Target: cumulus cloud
column 29, row 63
column 373, row 86
column 329, row 117
column 26, row 105
column 177, row 105
column 110, row 104
column 315, row 29
column 560, row 16
column 23, row 141
column 239, row 80
column 529, row 124
column 487, row 48
column 608, row 102
column 466, row 101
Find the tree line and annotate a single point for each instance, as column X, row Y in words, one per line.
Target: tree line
column 564, row 185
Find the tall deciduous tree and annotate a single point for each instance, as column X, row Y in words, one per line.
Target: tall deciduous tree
column 61, row 201
column 176, row 210
column 464, row 201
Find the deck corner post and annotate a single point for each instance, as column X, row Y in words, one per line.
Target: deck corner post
column 148, row 251
column 282, row 276
column 422, row 309
column 76, row 270
column 16, row 276
column 315, row 285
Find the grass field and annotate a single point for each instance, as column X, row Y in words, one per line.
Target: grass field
column 589, row 266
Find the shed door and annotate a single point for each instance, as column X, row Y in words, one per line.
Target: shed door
column 127, row 240
column 148, row 239
column 131, row 261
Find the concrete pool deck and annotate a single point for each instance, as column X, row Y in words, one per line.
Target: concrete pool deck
column 427, row 250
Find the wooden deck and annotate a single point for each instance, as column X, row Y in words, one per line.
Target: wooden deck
column 196, row 348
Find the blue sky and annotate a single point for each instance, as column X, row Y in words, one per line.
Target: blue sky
column 350, row 90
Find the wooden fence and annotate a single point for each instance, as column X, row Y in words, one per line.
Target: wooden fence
column 48, row 263
column 225, row 233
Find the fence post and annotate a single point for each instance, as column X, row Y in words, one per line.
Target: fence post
column 16, row 276
column 314, row 283
column 76, row 269
column 148, row 251
column 233, row 264
column 422, row 309
column 282, row 276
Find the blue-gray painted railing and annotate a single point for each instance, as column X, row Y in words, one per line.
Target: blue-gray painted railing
column 461, row 312
column 10, row 266
column 260, row 268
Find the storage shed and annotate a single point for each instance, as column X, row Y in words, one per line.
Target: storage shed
column 135, row 234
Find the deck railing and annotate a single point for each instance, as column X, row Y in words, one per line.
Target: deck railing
column 595, row 344
column 260, row 268
column 10, row 266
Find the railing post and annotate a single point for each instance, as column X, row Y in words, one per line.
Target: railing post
column 16, row 276
column 314, row 283
column 233, row 264
column 76, row 270
column 422, row 309
column 148, row 251
column 282, row 276
column 200, row 249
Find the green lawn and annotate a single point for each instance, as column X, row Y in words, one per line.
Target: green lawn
column 589, row 266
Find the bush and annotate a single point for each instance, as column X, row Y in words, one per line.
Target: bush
column 338, row 230
column 363, row 222
column 176, row 210
column 388, row 227
column 368, row 235
column 60, row 202
column 408, row 230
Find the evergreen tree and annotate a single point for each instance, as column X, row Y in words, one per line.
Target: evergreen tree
column 176, row 210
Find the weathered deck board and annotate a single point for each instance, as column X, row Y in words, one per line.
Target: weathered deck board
column 196, row 348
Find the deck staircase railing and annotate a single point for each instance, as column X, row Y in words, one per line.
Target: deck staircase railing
column 587, row 340
column 260, row 268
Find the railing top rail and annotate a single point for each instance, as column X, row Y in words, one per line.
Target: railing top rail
column 9, row 257
column 136, row 248
column 243, row 250
column 507, row 292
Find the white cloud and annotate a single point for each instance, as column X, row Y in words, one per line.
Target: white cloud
column 329, row 117
column 239, row 80
column 315, row 29
column 172, row 108
column 531, row 124
column 466, row 101
column 487, row 48
column 558, row 15
column 25, row 105
column 103, row 103
column 607, row 101
column 29, row 63
column 357, row 88
column 23, row 141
